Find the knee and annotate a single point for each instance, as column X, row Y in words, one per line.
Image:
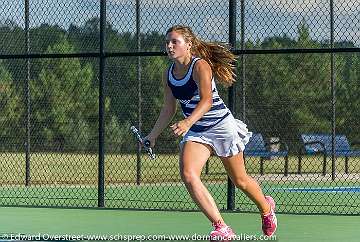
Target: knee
column 241, row 183
column 189, row 177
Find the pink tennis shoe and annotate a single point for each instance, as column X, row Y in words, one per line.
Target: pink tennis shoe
column 221, row 233
column 269, row 221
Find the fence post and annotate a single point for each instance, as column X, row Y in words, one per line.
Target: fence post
column 27, row 94
column 138, row 74
column 101, row 178
column 231, row 92
column 333, row 90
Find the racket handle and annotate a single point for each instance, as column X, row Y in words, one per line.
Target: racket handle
column 148, row 149
column 150, row 153
column 147, row 143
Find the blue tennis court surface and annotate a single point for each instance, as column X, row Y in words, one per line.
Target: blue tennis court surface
column 319, row 189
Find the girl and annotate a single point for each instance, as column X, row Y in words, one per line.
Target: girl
column 208, row 125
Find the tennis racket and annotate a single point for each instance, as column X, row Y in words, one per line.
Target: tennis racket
column 146, row 143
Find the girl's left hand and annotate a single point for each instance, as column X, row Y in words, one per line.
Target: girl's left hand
column 181, row 127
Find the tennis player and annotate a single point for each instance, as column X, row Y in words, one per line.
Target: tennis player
column 208, row 125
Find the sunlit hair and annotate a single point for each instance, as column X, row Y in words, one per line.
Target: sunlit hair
column 219, row 57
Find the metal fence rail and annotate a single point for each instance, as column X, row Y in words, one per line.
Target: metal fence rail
column 75, row 75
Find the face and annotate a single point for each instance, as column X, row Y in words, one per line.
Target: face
column 176, row 46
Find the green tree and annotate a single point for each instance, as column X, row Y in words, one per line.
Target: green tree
column 288, row 94
column 44, row 36
column 65, row 103
column 311, row 86
column 347, row 97
column 11, row 110
column 12, row 41
column 268, row 87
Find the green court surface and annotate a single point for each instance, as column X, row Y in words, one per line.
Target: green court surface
column 73, row 224
column 292, row 197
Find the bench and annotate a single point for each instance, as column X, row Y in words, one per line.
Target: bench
column 313, row 144
column 257, row 147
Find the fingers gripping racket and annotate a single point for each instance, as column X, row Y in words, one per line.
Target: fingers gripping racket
column 146, row 143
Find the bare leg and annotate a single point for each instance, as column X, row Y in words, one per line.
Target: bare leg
column 193, row 157
column 235, row 168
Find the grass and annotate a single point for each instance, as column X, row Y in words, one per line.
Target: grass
column 175, row 197
column 62, row 168
column 70, row 180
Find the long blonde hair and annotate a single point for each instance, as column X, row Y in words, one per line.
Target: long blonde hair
column 219, row 57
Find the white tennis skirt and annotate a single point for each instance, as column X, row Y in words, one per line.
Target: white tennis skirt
column 227, row 138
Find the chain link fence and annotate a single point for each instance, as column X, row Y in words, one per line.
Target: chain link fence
column 75, row 75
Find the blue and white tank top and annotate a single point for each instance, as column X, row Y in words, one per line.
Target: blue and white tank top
column 186, row 91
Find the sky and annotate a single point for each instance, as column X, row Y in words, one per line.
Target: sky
column 209, row 18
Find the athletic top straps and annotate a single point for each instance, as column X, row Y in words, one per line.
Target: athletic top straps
column 186, row 91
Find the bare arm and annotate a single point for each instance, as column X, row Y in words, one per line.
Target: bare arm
column 166, row 114
column 202, row 75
